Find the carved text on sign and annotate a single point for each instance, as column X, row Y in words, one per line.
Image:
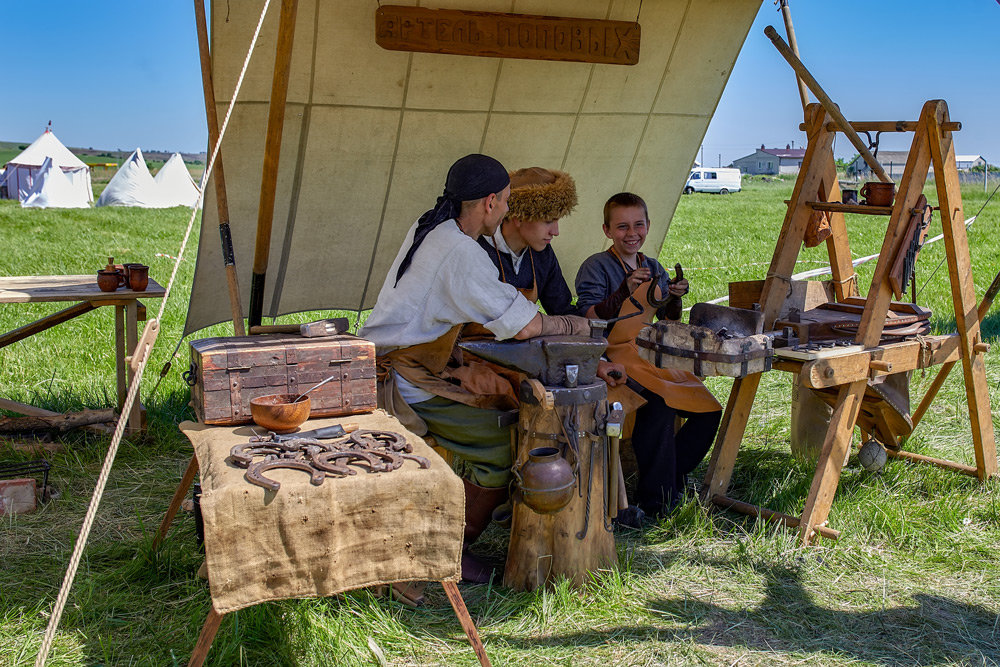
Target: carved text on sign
column 467, row 33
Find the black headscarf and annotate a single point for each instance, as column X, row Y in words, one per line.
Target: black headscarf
column 470, row 178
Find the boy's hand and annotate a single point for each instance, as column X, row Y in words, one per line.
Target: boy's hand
column 612, row 373
column 637, row 277
column 679, row 288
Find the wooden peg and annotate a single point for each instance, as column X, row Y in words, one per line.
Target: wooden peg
column 879, row 365
column 981, row 348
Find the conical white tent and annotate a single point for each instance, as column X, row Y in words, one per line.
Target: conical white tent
column 53, row 189
column 132, row 185
column 23, row 169
column 177, row 188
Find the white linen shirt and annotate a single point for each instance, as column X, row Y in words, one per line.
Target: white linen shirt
column 451, row 280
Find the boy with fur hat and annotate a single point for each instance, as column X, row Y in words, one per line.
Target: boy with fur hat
column 612, row 283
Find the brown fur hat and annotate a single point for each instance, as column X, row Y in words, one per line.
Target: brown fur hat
column 541, row 194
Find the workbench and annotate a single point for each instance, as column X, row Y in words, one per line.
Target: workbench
column 85, row 295
column 307, row 541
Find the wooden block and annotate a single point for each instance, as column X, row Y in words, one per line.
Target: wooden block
column 803, row 294
column 17, row 496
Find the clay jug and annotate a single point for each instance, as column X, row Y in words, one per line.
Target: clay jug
column 545, row 481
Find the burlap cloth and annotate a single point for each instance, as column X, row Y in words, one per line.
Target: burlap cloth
column 313, row 541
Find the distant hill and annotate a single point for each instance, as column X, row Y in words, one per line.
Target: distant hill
column 91, row 155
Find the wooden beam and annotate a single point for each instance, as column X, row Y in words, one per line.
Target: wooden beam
column 963, row 291
column 770, row 515
column 462, row 613
column 972, row 471
column 218, row 173
column 827, row 103
column 46, row 322
column 886, row 126
column 204, row 644
column 175, row 503
column 272, row 153
column 730, row 435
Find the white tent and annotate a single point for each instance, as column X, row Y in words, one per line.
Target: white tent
column 177, row 188
column 23, row 169
column 52, row 188
column 132, row 185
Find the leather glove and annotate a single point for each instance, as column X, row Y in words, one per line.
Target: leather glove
column 565, row 325
column 612, row 305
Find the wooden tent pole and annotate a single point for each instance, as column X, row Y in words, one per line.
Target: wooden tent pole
column 786, row 14
column 222, row 202
column 827, row 103
column 272, row 150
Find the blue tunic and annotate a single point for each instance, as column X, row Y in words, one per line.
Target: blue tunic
column 553, row 292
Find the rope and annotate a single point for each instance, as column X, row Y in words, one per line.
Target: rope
column 133, row 390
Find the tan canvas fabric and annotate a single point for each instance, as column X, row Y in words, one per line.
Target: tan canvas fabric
column 369, row 135
column 314, row 541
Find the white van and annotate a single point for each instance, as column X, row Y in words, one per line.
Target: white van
column 704, row 179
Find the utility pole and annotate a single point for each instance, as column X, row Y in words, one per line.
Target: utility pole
column 703, row 155
column 720, row 160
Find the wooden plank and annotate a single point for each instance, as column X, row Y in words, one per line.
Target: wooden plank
column 838, row 245
column 462, row 613
column 860, row 209
column 272, row 153
column 905, row 356
column 131, row 340
column 793, row 228
column 962, row 289
column 37, row 289
column 972, row 471
column 831, row 460
column 730, row 435
column 498, row 35
column 204, row 644
column 910, row 189
column 770, row 515
column 175, row 503
column 45, row 323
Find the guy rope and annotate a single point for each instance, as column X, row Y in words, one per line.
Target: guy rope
column 138, row 363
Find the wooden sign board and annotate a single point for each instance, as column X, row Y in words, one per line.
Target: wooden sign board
column 496, row 35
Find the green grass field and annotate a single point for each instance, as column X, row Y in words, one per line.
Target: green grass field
column 914, row 580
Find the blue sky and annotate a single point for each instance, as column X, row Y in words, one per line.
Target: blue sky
column 117, row 74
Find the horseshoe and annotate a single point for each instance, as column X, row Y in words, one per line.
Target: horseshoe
column 393, row 461
column 424, row 463
column 382, row 439
column 242, row 455
column 254, row 473
column 331, row 462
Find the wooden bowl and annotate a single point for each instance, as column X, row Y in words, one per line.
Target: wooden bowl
column 277, row 413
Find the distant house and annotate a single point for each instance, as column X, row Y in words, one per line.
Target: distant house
column 785, row 160
column 894, row 161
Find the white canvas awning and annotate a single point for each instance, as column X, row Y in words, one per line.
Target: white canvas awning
column 369, row 135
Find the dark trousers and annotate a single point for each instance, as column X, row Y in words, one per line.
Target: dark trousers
column 665, row 457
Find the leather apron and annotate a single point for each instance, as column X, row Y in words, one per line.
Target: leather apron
column 441, row 368
column 678, row 389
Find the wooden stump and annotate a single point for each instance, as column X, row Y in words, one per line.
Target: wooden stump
column 544, row 547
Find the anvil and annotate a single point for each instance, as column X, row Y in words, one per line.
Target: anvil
column 546, row 358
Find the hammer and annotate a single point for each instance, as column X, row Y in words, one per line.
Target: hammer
column 329, row 327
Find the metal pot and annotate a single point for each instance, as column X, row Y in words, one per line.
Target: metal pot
column 545, row 481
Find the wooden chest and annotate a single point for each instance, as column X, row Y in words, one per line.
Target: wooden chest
column 227, row 372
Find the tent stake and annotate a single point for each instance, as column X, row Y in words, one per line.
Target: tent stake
column 272, row 150
column 222, row 202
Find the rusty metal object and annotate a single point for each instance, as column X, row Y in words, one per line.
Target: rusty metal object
column 242, row 455
column 651, row 290
column 424, row 463
column 255, row 473
column 545, row 357
column 336, row 462
column 381, row 439
column 325, row 433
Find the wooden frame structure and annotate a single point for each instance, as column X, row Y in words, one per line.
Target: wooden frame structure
column 817, row 189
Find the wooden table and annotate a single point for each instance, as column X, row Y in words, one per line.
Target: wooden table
column 83, row 292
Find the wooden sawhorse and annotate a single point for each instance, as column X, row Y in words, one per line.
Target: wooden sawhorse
column 817, row 189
